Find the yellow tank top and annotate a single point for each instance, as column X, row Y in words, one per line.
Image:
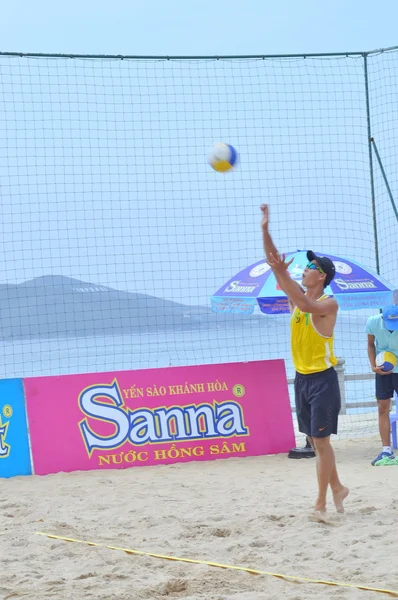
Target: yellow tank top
column 311, row 351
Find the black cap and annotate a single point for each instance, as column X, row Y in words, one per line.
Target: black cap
column 326, row 265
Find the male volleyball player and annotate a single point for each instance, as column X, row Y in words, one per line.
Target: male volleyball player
column 382, row 330
column 317, row 392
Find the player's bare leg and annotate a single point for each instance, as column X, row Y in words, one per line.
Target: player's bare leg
column 327, row 475
column 384, row 421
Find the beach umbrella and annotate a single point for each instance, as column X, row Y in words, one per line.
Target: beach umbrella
column 354, row 287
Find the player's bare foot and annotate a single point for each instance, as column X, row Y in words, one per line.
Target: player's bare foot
column 339, row 497
column 317, row 516
column 320, row 506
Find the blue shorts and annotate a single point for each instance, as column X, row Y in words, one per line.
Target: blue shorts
column 386, row 385
column 318, row 402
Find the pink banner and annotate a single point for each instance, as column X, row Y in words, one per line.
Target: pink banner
column 158, row 416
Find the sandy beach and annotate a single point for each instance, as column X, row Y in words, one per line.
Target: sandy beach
column 252, row 512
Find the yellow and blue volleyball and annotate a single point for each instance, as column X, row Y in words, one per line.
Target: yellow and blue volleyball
column 386, row 360
column 223, row 157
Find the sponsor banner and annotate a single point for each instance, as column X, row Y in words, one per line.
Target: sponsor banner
column 14, row 442
column 158, row 416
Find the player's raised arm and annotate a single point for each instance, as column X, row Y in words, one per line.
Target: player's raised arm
column 269, row 246
column 270, row 249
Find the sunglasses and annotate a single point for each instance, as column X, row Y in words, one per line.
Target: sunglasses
column 313, row 266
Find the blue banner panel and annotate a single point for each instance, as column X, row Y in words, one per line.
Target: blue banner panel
column 14, row 443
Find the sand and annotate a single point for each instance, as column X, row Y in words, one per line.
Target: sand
column 252, row 512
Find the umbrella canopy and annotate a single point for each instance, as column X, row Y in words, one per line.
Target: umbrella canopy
column 354, row 286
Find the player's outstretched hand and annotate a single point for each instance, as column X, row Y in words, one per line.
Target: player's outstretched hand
column 278, row 262
column 265, row 220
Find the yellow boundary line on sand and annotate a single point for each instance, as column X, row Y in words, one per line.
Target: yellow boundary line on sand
column 292, row 578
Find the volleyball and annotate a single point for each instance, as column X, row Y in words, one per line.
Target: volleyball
column 386, row 360
column 223, row 157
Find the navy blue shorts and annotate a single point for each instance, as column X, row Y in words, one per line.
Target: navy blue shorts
column 386, row 385
column 318, row 402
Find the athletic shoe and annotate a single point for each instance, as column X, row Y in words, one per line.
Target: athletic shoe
column 384, row 459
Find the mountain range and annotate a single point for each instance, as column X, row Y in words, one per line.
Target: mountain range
column 57, row 306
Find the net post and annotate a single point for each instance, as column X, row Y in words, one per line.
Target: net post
column 372, row 185
column 372, row 141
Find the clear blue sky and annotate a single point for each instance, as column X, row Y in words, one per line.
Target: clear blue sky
column 197, row 26
column 104, row 167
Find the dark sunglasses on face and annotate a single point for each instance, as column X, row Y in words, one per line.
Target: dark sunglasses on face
column 313, row 266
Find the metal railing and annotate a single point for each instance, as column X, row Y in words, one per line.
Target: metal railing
column 343, row 377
